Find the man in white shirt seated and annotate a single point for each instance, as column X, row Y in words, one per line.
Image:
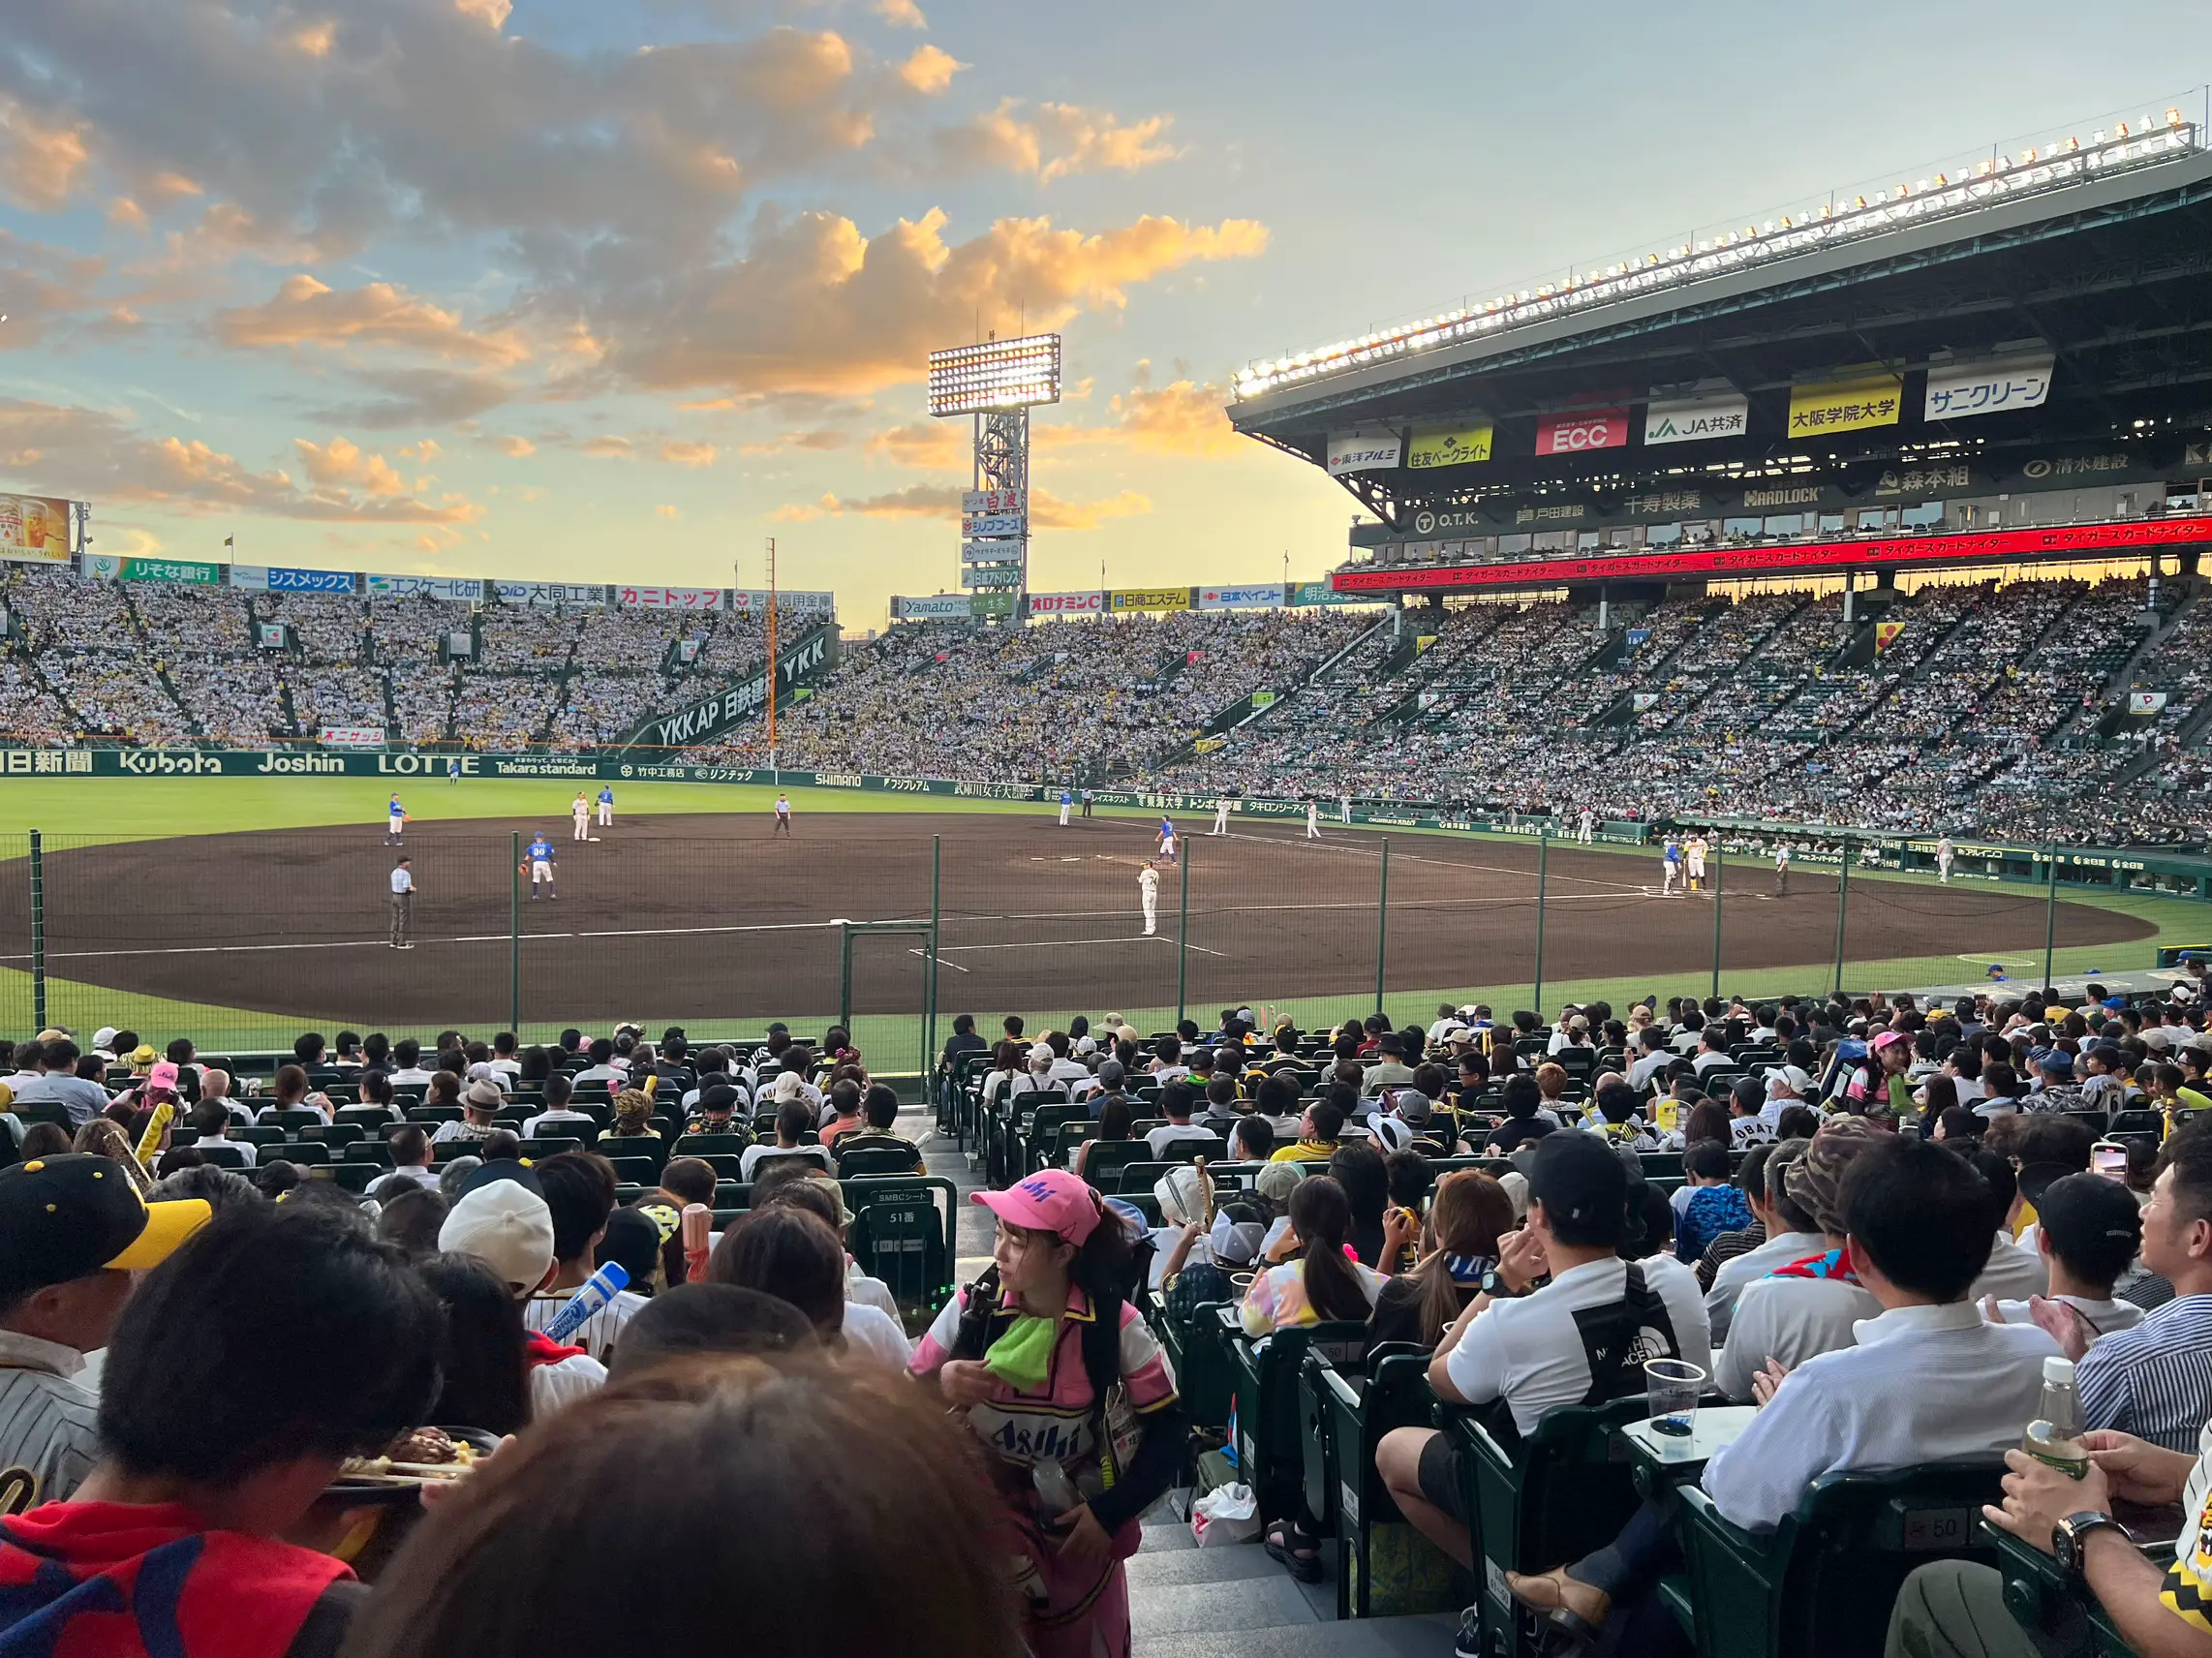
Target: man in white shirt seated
column 1175, row 1106
column 407, row 1055
column 792, row 1119
column 1651, row 1063
column 1791, row 1235
column 212, row 1119
column 2012, row 1273
column 558, row 1121
column 2088, row 1232
column 1811, row 1307
column 1582, row 1340
column 602, row 1069
column 411, row 1155
column 1710, row 1052
column 1927, row 1381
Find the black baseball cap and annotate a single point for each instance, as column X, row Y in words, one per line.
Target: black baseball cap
column 2085, row 1214
column 1579, row 1179
column 69, row 1216
column 515, row 1169
column 720, row 1098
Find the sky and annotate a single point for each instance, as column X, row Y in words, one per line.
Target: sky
column 616, row 290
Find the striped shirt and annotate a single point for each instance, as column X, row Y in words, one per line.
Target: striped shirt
column 48, row 1424
column 597, row 1334
column 2154, row 1380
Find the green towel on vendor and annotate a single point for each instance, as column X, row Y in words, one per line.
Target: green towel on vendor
column 1021, row 1358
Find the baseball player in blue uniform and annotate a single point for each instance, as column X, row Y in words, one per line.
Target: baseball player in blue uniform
column 1167, row 838
column 395, row 822
column 606, row 806
column 1669, row 866
column 539, row 855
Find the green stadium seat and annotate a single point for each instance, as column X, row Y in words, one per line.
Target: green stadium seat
column 334, row 1133
column 711, row 1145
column 1103, row 1163
column 355, row 1177
column 308, row 1153
column 375, row 1152
column 1552, row 1496
column 1821, row 1585
column 1357, row 1412
column 2057, row 1613
column 295, row 1117
column 372, row 1120
column 1270, row 1433
column 41, row 1111
column 430, row 1115
column 901, row 1240
column 874, row 1160
column 222, row 1156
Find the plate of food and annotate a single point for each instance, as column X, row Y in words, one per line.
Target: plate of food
column 418, row 1457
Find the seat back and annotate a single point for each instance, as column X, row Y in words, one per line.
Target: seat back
column 1822, row 1584
column 902, row 1241
column 1103, row 1163
column 1554, row 1496
column 1356, row 1415
column 870, row 1160
column 1271, row 1454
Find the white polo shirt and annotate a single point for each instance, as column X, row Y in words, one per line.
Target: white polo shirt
column 1528, row 1351
column 2104, row 1316
column 2013, row 1274
column 1790, row 1319
column 1735, row 1274
column 1923, row 1384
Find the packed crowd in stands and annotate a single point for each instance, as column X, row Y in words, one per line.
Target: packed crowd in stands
column 592, row 1295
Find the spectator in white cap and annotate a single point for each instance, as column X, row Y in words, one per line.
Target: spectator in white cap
column 503, row 1220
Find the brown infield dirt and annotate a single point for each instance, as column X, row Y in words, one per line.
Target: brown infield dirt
column 714, row 919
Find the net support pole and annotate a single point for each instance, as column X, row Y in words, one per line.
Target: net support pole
column 844, row 974
column 2050, row 910
column 1382, row 928
column 1182, row 931
column 1842, row 905
column 930, row 985
column 1543, row 876
column 38, row 931
column 1719, row 858
column 514, row 934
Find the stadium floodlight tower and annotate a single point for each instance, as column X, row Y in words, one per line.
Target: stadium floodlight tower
column 997, row 383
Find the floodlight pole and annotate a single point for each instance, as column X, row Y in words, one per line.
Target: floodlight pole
column 772, row 653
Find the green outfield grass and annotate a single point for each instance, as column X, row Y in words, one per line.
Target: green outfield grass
column 156, row 807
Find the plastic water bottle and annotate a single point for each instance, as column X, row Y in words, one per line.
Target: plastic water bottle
column 598, row 1290
column 2055, row 1435
column 1056, row 1492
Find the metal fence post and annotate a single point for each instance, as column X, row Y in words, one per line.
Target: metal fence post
column 1182, row 930
column 1543, row 876
column 38, row 931
column 1382, row 927
column 1719, row 857
column 2050, row 910
column 1842, row 905
column 930, row 987
column 844, row 974
column 514, row 932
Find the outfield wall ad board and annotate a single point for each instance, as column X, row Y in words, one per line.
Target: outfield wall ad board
column 34, row 529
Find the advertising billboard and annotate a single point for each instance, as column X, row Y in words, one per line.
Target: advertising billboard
column 1363, row 451
column 1581, row 430
column 1068, row 603
column 34, row 529
column 1149, row 598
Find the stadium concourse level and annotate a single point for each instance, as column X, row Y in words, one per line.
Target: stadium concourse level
column 252, row 1307
column 547, row 676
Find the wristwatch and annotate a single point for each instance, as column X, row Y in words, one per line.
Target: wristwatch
column 1497, row 1288
column 2070, row 1536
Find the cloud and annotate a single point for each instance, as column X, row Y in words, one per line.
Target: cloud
column 514, row 447
column 340, row 464
column 1056, row 140
column 679, row 452
column 926, row 446
column 930, row 70
column 1181, row 419
column 1047, row 512
column 608, row 446
column 99, row 454
column 418, row 397
column 900, row 14
column 813, row 306
column 304, row 311
column 492, row 14
column 820, row 442
column 665, row 511
column 42, row 160
column 41, row 286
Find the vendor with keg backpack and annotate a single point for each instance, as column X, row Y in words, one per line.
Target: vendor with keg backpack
column 1060, row 1378
column 1581, row 1340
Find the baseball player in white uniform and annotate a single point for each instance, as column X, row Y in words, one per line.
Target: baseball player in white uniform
column 1313, row 820
column 1220, row 816
column 1695, row 852
column 1584, row 830
column 1781, row 868
column 1944, row 854
column 580, row 809
column 1148, row 888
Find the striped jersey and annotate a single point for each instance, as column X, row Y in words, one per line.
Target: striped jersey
column 48, row 1424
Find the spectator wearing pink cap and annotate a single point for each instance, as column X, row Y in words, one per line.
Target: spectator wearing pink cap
column 1880, row 1079
column 1030, row 1352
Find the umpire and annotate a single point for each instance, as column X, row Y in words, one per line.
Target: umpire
column 402, row 904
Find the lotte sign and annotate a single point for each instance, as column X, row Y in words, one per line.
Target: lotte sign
column 1584, row 429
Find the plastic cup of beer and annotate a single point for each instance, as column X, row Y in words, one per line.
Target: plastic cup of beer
column 1673, row 1385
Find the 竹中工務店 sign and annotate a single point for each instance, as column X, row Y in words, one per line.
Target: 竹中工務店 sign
column 1992, row 388
column 1873, row 398
column 1448, row 447
column 34, row 529
column 1693, row 420
column 1364, row 451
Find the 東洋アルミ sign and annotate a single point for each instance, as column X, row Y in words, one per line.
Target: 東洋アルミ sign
column 1364, row 451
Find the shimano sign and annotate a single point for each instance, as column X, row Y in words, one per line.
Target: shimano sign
column 706, row 720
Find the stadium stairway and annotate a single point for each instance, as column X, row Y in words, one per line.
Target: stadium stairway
column 1188, row 1602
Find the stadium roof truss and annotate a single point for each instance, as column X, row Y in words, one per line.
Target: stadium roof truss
column 2107, row 276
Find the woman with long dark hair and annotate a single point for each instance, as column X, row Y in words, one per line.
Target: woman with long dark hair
column 1323, row 1281
column 1065, row 1388
column 1114, row 1124
column 1459, row 1244
column 1358, row 1167
column 484, row 1380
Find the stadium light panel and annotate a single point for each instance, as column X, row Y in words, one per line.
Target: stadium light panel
column 997, row 374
